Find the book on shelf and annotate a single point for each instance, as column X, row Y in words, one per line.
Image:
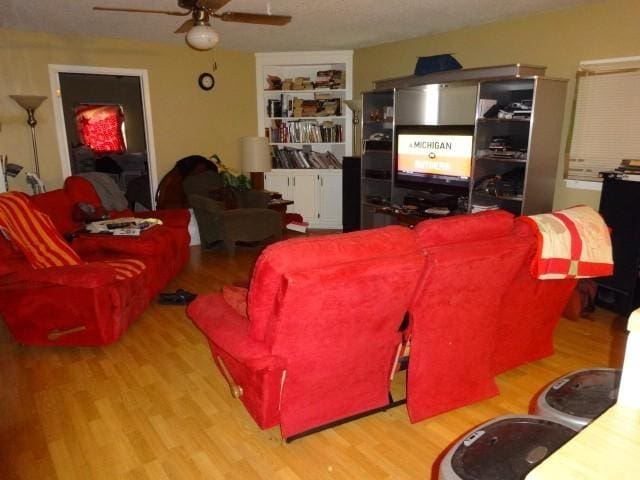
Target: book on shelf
column 325, row 79
column 305, row 131
column 289, row 106
column 302, row 158
column 331, row 79
column 274, row 82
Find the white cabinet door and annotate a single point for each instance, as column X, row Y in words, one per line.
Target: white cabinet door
column 275, row 181
column 304, row 190
column 330, row 199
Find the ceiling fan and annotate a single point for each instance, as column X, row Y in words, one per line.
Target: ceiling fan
column 200, row 35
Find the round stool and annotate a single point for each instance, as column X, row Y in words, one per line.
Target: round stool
column 578, row 397
column 505, row 448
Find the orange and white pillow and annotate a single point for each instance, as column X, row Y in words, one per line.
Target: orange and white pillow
column 33, row 233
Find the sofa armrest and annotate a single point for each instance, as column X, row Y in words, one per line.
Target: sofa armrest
column 229, row 331
column 88, row 275
column 253, row 199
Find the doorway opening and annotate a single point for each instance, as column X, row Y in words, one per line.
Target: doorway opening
column 103, row 122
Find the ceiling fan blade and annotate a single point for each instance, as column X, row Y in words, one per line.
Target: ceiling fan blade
column 213, row 5
column 185, row 27
column 140, row 10
column 254, row 18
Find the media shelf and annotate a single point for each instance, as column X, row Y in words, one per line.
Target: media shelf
column 502, row 159
column 301, row 106
column 526, row 120
column 538, row 136
column 487, row 196
column 503, row 120
column 375, row 179
column 377, row 156
column 301, row 99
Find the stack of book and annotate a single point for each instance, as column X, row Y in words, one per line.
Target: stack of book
column 305, row 131
column 330, row 79
column 274, row 82
column 325, row 79
column 289, row 157
column 301, row 83
column 295, row 107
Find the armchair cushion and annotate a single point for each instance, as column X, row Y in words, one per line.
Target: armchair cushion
column 252, row 199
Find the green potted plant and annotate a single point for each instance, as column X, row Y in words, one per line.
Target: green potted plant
column 239, row 182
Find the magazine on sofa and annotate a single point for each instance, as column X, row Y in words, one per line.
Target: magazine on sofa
column 127, row 226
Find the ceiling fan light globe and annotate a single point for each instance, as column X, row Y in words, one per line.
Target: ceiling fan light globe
column 202, row 37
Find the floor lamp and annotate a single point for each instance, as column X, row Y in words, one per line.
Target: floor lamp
column 256, row 159
column 30, row 103
column 356, row 108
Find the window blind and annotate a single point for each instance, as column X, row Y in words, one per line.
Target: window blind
column 606, row 126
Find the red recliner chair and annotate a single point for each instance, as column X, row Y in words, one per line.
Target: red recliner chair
column 470, row 262
column 319, row 334
column 531, row 310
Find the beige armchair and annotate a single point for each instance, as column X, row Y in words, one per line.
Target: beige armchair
column 248, row 219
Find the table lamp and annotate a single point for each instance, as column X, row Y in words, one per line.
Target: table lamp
column 256, row 159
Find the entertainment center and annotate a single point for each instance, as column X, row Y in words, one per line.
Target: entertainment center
column 460, row 141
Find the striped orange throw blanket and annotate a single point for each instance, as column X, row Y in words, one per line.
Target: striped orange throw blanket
column 572, row 243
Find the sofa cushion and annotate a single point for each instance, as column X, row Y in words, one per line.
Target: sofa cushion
column 58, row 207
column 81, row 190
column 34, row 233
column 464, row 228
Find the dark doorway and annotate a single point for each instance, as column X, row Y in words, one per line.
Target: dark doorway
column 105, row 127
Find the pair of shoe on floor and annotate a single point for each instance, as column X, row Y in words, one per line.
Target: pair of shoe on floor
column 179, row 297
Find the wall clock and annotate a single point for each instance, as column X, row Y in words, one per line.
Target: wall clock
column 206, row 81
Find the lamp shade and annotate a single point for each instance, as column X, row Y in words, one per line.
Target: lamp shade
column 202, row 37
column 28, row 102
column 256, row 156
column 354, row 105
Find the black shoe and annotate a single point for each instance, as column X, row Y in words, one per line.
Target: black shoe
column 180, row 297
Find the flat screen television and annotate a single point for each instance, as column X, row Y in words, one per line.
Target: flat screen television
column 433, row 157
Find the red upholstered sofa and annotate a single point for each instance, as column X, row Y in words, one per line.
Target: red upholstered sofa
column 87, row 304
column 477, row 310
column 316, row 337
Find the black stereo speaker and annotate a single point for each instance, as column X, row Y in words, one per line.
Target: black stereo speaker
column 350, row 194
column 620, row 208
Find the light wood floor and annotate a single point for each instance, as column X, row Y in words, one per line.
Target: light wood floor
column 153, row 406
